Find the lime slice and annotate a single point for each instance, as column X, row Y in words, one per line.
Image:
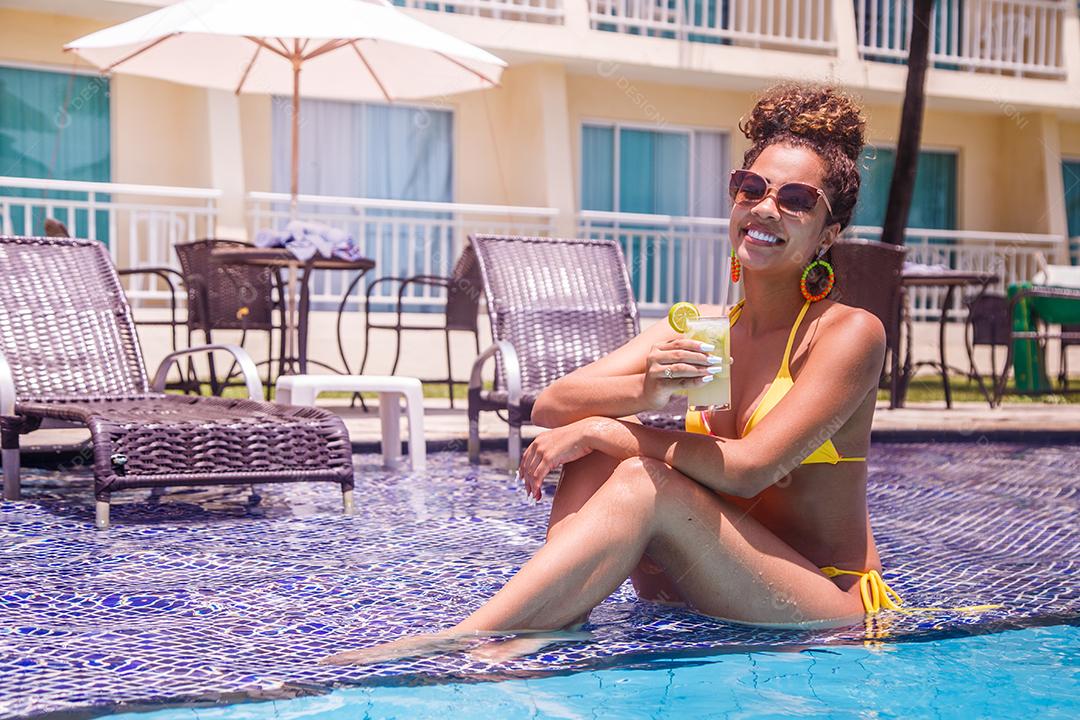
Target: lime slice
column 680, row 313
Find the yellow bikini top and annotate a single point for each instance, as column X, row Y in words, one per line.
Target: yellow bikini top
column 781, row 384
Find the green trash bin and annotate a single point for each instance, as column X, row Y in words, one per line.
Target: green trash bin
column 1029, row 356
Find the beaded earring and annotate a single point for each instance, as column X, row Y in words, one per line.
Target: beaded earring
column 736, row 268
column 828, row 286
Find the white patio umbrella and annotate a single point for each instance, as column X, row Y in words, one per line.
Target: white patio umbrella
column 347, row 50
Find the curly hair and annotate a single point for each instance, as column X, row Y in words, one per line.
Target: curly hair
column 821, row 118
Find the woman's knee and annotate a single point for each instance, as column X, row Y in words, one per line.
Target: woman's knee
column 638, row 478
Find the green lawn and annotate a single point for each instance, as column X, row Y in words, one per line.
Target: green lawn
column 927, row 388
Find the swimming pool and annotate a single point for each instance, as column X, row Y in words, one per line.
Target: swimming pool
column 203, row 598
column 952, row 678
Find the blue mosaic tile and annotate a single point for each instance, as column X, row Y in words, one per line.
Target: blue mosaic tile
column 202, row 596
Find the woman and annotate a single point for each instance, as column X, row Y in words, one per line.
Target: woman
column 731, row 523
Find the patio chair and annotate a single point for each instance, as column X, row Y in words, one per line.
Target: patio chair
column 69, row 355
column 223, row 296
column 554, row 305
column 868, row 275
column 462, row 308
column 989, row 325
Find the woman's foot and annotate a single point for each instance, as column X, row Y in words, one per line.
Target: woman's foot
column 406, row 647
column 500, row 651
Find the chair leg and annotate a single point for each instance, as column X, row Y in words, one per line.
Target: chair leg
column 9, row 455
column 101, row 512
column 417, row 447
column 348, row 507
column 474, row 434
column 449, row 371
column 514, row 448
column 390, row 419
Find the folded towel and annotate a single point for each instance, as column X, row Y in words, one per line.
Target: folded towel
column 306, row 239
column 913, row 268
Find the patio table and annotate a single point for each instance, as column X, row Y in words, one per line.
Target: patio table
column 950, row 280
column 295, row 294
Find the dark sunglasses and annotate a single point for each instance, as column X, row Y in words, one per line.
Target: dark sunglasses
column 748, row 188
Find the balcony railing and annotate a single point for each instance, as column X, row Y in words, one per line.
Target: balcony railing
column 403, row 237
column 1017, row 37
column 140, row 223
column 669, row 258
column 538, row 11
column 781, row 24
column 675, row 258
column 1013, row 257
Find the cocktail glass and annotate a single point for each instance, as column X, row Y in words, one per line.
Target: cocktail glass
column 716, row 331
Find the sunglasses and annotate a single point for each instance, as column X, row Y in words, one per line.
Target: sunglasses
column 748, row 188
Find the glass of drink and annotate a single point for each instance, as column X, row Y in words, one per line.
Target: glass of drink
column 716, row 331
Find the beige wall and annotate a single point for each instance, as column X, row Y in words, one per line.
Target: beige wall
column 520, row 143
column 159, row 129
column 1070, row 139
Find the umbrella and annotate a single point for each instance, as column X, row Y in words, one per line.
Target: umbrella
column 347, row 50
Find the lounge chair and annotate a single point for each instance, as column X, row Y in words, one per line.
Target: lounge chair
column 554, row 305
column 69, row 355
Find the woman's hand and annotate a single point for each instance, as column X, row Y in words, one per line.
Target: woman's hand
column 554, row 448
column 674, row 365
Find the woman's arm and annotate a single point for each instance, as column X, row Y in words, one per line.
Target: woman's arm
column 842, row 367
column 627, row 381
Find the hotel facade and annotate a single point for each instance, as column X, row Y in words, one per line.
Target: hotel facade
column 615, row 118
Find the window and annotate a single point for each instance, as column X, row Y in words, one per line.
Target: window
column 54, row 125
column 656, row 172
column 666, row 172
column 365, row 150
column 1070, row 173
column 933, row 203
column 368, row 150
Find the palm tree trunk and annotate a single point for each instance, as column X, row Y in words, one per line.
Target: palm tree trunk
column 911, row 119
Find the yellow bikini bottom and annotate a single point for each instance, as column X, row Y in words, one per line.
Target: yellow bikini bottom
column 877, row 595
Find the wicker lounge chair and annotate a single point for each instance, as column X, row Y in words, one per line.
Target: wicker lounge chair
column 69, row 354
column 554, row 305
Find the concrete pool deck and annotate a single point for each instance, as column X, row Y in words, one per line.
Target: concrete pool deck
column 447, row 429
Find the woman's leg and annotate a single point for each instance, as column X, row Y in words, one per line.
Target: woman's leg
column 579, row 481
column 723, row 562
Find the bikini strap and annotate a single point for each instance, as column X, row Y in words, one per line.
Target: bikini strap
column 785, row 370
column 735, row 312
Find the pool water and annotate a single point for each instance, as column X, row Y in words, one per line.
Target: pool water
column 1030, row 673
column 202, row 598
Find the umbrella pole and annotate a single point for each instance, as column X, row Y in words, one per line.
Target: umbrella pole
column 296, row 60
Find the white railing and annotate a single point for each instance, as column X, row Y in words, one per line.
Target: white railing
column 680, row 258
column 1013, row 257
column 1021, row 37
column 403, row 237
column 140, row 223
column 780, row 24
column 540, row 11
column 669, row 258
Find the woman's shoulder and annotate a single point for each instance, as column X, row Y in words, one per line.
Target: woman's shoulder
column 848, row 323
